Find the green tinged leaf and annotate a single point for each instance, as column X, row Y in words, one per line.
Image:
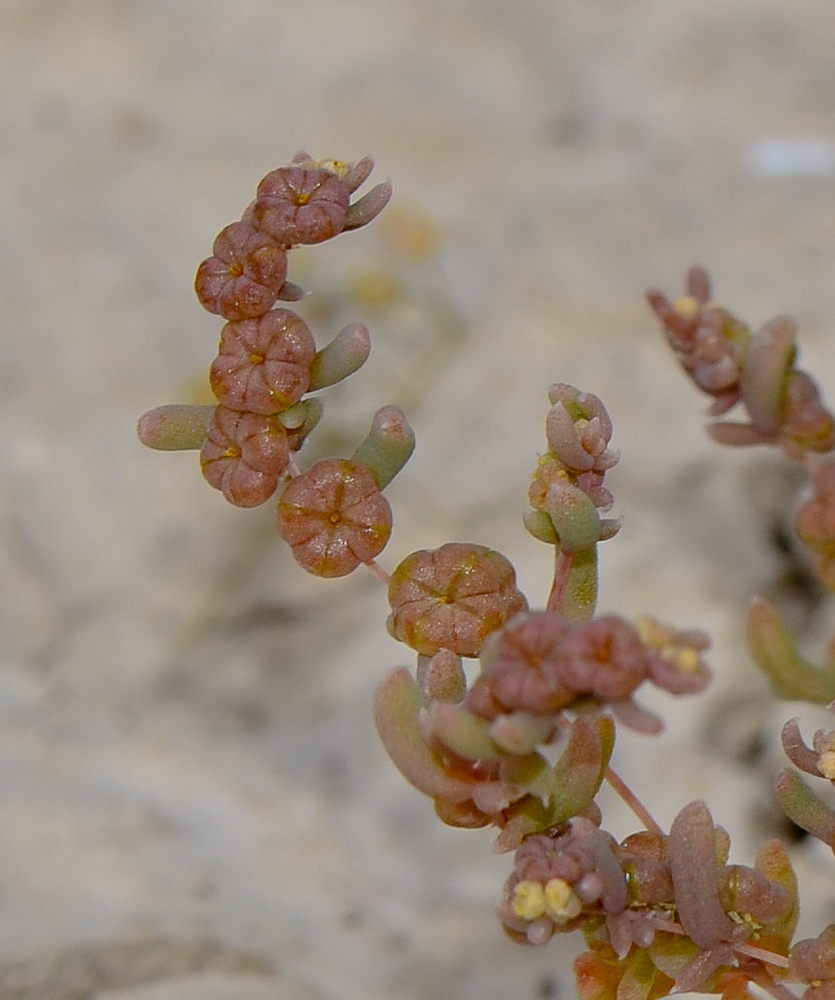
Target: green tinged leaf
column 773, row 648
column 803, row 807
column 582, row 765
column 575, row 517
column 464, row 733
column 638, row 978
column 773, row 862
column 397, row 702
column 174, row 427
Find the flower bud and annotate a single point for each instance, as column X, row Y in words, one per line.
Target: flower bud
column 334, row 517
column 452, row 598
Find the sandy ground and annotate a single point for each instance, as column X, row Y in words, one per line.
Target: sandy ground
column 193, row 802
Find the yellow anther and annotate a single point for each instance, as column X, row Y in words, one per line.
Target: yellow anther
column 650, row 632
column 826, row 764
column 561, row 904
column 682, row 657
column 686, row 306
column 529, row 900
column 338, row 167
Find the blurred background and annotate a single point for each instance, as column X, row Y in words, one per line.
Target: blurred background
column 193, row 802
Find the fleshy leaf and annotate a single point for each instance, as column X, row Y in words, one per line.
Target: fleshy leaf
column 803, row 807
column 582, row 765
column 174, row 427
column 344, row 355
column 691, row 851
column 638, row 978
column 530, row 774
column 773, row 862
column 762, row 382
column 773, row 648
column 574, row 515
column 397, row 702
column 464, row 733
column 388, row 445
column 528, row 815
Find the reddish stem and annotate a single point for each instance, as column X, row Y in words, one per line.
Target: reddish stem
column 632, row 800
column 378, row 571
column 562, row 570
column 750, row 950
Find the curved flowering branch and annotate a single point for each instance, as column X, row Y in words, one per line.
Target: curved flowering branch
column 729, row 362
column 567, row 494
column 524, row 742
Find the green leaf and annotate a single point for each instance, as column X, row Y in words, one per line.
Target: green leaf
column 531, row 774
column 773, row 648
column 397, row 702
column 582, row 765
column 803, row 807
column 638, row 978
column 464, row 733
column 773, row 862
column 574, row 515
column 174, row 427
column 387, row 446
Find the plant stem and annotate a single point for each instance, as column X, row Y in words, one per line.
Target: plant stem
column 378, row 571
column 562, row 569
column 632, row 800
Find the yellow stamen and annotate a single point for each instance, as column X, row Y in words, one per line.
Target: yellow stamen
column 528, row 900
column 826, row 764
column 561, row 904
column 686, row 306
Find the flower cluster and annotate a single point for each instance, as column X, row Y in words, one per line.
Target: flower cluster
column 542, row 664
column 667, row 907
column 333, row 516
column 452, row 598
column 567, row 488
column 729, row 362
column 266, row 354
column 812, row 961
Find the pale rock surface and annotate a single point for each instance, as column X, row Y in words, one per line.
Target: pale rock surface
column 185, row 742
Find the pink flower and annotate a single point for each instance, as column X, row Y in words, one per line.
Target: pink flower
column 452, row 598
column 301, row 205
column 560, row 879
column 709, row 341
column 334, row 517
column 521, row 668
column 263, row 365
column 604, row 658
column 244, row 455
column 579, row 429
column 308, row 201
column 245, row 275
